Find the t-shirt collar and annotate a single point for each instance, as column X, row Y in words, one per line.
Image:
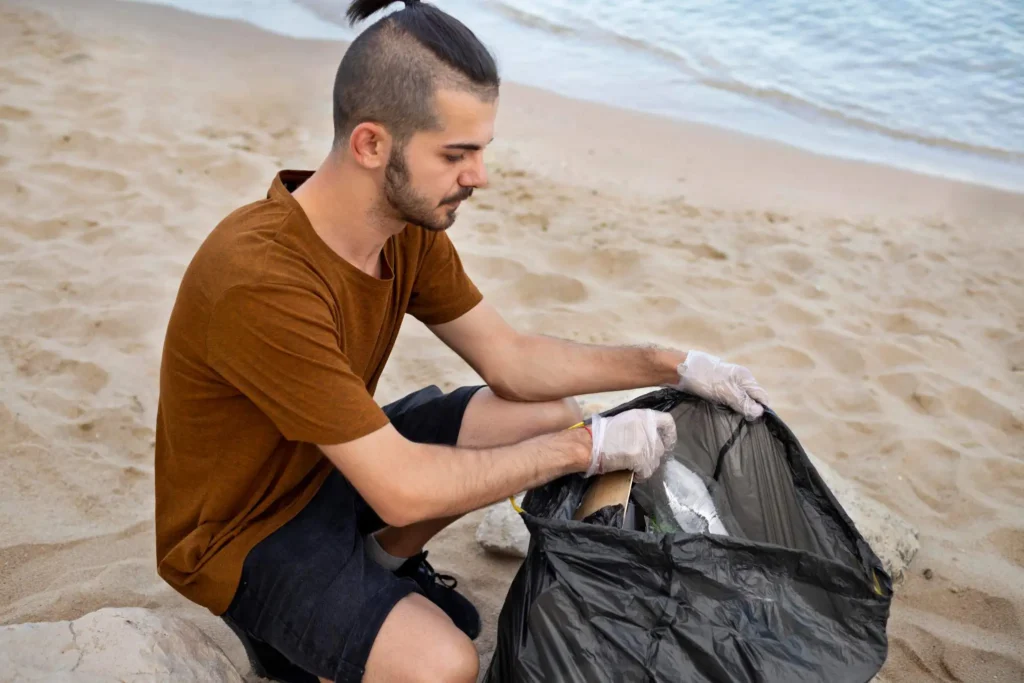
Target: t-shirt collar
column 286, row 182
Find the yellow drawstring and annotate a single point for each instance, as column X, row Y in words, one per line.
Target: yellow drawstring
column 512, row 499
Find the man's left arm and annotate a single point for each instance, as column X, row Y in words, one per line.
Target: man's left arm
column 539, row 368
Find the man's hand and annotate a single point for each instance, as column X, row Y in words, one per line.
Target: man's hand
column 712, row 378
column 634, row 440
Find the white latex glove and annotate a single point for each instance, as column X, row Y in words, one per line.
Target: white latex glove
column 712, row 378
column 634, row 440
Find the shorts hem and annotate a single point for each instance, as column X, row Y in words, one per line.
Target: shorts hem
column 351, row 665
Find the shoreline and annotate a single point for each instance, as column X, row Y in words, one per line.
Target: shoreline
column 825, row 133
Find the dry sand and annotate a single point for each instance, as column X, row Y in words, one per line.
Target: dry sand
column 882, row 310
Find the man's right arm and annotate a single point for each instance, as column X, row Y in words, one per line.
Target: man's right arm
column 407, row 482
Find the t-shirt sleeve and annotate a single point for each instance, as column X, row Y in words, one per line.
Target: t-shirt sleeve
column 278, row 345
column 442, row 291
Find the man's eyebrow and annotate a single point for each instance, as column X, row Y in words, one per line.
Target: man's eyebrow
column 468, row 146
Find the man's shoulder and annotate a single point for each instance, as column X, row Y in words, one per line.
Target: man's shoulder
column 250, row 244
column 416, row 242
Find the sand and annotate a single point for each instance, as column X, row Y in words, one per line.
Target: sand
column 882, row 310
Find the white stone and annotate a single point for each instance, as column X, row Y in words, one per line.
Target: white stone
column 502, row 530
column 892, row 538
column 128, row 645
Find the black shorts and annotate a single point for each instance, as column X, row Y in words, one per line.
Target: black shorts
column 309, row 590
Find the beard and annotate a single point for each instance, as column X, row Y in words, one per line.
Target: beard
column 412, row 207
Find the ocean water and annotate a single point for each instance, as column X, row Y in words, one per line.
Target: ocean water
column 931, row 85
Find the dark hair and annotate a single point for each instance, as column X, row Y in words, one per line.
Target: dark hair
column 390, row 71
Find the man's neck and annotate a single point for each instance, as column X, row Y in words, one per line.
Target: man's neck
column 340, row 205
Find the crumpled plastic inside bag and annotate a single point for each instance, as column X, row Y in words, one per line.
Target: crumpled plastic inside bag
column 676, row 499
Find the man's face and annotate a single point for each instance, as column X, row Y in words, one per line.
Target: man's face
column 425, row 180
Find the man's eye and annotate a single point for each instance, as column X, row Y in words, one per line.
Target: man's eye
column 454, row 158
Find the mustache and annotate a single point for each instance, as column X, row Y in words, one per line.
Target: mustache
column 461, row 195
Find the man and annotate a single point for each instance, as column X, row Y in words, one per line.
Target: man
column 287, row 500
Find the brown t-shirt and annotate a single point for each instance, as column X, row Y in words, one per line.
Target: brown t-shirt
column 275, row 343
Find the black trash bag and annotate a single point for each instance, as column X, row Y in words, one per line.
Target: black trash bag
column 792, row 594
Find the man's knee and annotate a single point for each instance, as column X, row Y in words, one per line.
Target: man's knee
column 448, row 660
column 551, row 416
column 490, row 420
column 457, row 661
column 420, row 644
column 565, row 413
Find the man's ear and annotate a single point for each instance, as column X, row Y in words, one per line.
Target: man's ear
column 370, row 145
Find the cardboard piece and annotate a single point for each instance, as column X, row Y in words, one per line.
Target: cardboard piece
column 606, row 489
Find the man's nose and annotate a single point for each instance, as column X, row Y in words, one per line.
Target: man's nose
column 476, row 176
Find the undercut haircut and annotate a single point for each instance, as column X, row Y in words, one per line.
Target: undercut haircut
column 390, row 72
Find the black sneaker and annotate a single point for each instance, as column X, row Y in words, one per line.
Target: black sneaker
column 440, row 589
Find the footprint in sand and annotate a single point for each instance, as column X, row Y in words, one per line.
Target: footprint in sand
column 48, row 229
column 235, row 171
column 812, row 291
column 841, row 351
column 795, row 261
column 1015, row 354
column 701, row 251
column 8, row 245
column 987, row 408
column 922, row 305
column 93, row 232
column 784, row 277
column 144, row 212
column 1009, row 543
column 977, row 608
column 33, row 361
column 778, row 356
column 660, row 305
column 700, row 332
column 611, row 263
column 14, row 193
column 712, row 283
column 83, row 178
column 534, row 220
column 793, row 314
column 1001, row 477
column 842, row 399
column 12, row 77
column 845, row 254
column 121, row 425
column 743, row 333
column 927, row 657
column 494, row 267
column 895, row 356
column 9, row 113
column 918, row 390
column 541, row 288
column 905, row 322
column 936, row 469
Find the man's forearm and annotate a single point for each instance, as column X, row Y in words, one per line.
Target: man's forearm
column 448, row 481
column 546, row 368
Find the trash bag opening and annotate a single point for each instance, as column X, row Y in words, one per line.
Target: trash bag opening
column 727, row 477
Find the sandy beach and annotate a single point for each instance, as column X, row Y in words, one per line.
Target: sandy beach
column 883, row 311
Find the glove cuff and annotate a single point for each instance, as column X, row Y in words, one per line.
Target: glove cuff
column 597, row 429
